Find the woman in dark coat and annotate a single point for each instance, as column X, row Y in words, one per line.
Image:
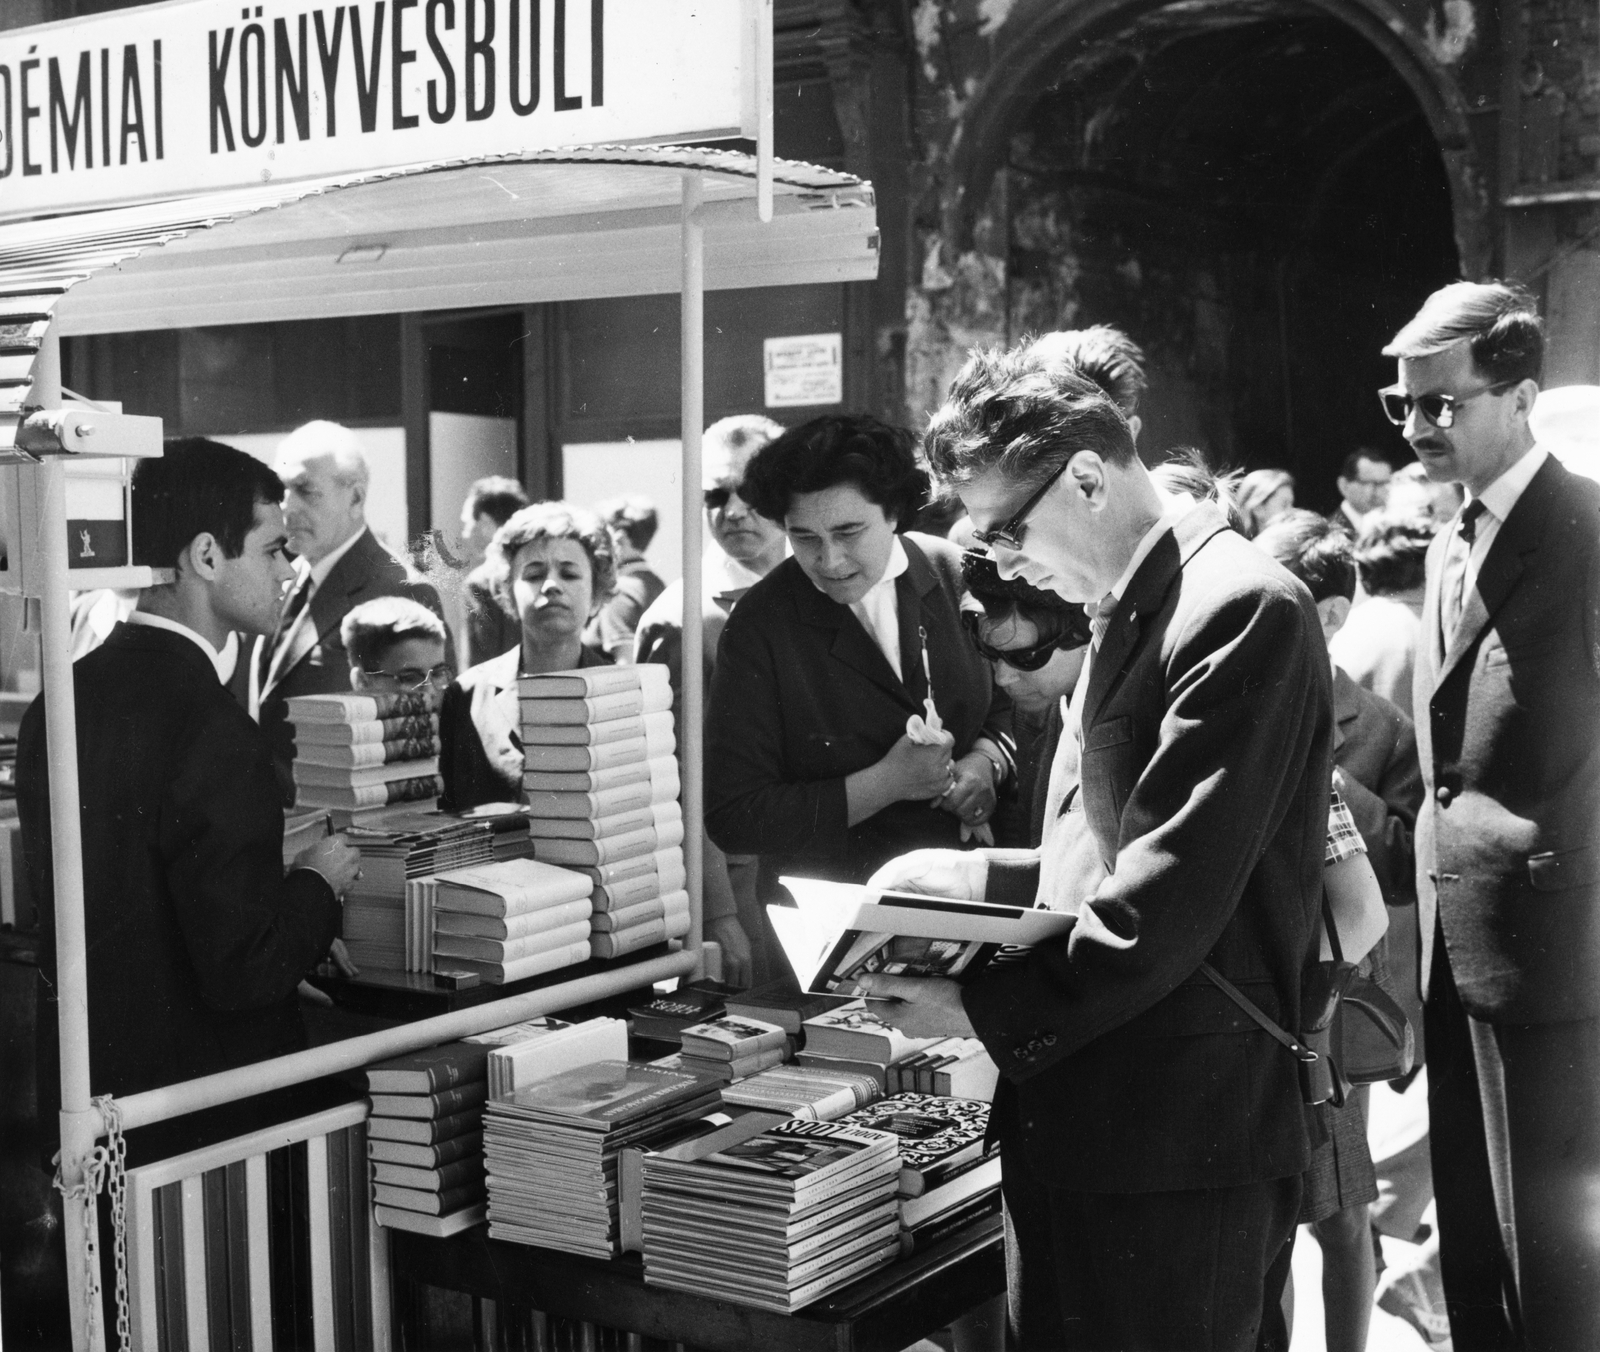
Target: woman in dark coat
column 822, row 664
column 552, row 569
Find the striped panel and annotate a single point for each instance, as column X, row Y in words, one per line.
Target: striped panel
column 247, row 1248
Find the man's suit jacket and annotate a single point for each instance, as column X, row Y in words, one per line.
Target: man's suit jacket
column 1376, row 771
column 322, row 667
column 1508, row 729
column 802, row 697
column 196, row 938
column 1207, row 743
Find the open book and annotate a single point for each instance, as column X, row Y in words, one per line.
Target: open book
column 837, row 932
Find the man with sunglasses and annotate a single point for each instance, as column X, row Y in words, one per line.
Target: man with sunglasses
column 1153, row 1135
column 742, row 547
column 1507, row 700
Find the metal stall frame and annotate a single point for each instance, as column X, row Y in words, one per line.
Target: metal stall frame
column 455, row 235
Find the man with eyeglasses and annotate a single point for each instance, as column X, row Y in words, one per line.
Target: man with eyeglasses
column 1363, row 488
column 1507, row 700
column 742, row 547
column 1153, row 1136
column 396, row 647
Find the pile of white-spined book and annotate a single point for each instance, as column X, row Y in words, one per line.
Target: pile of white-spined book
column 365, row 750
column 771, row 1212
column 509, row 919
column 602, row 788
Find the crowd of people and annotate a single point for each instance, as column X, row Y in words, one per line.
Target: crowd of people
column 1212, row 725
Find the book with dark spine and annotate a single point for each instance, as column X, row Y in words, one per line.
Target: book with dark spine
column 430, row 1071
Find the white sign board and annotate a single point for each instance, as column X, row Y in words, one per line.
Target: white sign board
column 803, row 370
column 195, row 95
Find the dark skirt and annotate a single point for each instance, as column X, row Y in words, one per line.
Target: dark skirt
column 1341, row 1173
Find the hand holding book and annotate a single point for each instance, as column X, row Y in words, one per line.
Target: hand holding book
column 919, row 1006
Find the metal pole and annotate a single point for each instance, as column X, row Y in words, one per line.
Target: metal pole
column 228, row 1086
column 765, row 135
column 692, row 404
column 80, row 1123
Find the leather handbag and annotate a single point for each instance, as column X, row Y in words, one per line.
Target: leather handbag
column 1372, row 1039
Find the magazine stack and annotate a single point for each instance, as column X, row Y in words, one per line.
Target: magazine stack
column 853, row 1038
column 771, row 1213
column 804, row 1091
column 361, row 751
column 949, row 1177
column 602, row 788
column 551, row 1149
column 731, row 1049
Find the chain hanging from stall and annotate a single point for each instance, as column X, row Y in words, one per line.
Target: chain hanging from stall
column 106, row 1167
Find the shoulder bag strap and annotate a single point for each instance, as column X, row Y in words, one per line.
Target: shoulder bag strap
column 1249, row 1006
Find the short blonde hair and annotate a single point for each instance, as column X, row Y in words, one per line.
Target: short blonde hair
column 552, row 521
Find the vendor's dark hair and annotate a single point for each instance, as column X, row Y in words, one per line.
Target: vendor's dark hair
column 497, row 498
column 1392, row 552
column 1315, row 550
column 877, row 458
column 1004, row 599
column 197, row 487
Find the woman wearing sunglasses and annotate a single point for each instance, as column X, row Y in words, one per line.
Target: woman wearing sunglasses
column 1035, row 644
column 825, row 660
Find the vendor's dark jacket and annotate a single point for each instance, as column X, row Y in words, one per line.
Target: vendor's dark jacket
column 802, row 696
column 196, row 937
column 1207, row 740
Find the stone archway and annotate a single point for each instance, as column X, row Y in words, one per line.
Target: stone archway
column 1258, row 190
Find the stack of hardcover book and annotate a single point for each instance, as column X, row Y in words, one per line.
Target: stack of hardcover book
column 957, row 1067
column 602, row 788
column 772, row 1214
column 510, row 919
column 552, row 1149
column 730, row 1049
column 361, row 751
column 425, row 1138
column 949, row 1177
column 785, row 1004
column 804, row 1091
column 853, row 1037
column 385, row 921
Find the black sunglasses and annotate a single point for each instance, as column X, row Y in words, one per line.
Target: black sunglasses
column 717, row 498
column 1009, row 534
column 1438, row 409
column 1075, row 635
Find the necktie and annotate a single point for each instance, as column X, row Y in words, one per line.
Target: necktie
column 1454, row 581
column 291, row 612
column 1104, row 613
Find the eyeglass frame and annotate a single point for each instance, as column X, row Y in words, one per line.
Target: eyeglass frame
column 1035, row 658
column 1008, row 534
column 1448, row 403
column 437, row 677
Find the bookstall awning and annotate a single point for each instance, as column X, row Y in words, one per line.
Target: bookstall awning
column 555, row 225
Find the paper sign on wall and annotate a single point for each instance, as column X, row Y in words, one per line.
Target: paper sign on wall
column 804, row 370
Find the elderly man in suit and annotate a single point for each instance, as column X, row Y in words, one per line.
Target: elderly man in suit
column 197, row 937
column 1507, row 697
column 1153, row 1133
column 340, row 565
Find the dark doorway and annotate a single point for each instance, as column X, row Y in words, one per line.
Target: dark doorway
column 1255, row 195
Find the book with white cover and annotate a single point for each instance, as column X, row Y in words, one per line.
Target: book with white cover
column 666, row 863
column 603, row 802
column 655, row 730
column 609, row 849
column 586, row 682
column 580, row 1044
column 652, row 770
column 509, row 951
column 512, row 926
column 837, row 932
column 653, row 815
column 360, row 777
column 509, row 887
column 656, row 698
